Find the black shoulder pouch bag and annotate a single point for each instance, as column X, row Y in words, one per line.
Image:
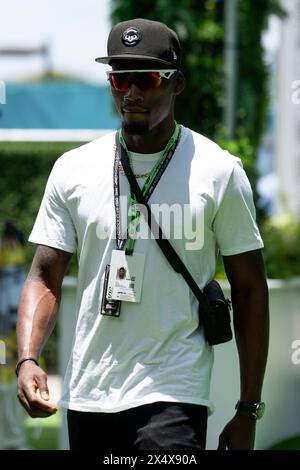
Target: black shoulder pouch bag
column 216, row 320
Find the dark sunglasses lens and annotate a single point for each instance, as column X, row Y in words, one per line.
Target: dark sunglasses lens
column 147, row 80
column 143, row 80
column 119, row 81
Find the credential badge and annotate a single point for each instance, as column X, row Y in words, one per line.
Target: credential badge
column 131, row 37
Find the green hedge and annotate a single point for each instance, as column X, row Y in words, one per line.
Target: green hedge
column 25, row 167
column 24, row 171
column 281, row 236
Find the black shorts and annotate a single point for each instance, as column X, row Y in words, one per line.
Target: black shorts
column 155, row 426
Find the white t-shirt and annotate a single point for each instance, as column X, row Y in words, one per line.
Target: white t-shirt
column 154, row 351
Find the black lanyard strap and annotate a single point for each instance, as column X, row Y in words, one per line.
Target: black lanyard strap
column 164, row 244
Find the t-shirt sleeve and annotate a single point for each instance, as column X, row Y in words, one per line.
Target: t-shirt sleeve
column 234, row 225
column 54, row 226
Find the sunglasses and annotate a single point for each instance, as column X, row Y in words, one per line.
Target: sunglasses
column 145, row 80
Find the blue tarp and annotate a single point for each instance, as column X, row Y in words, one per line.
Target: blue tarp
column 58, row 105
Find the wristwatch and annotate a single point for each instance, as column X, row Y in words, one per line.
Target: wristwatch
column 256, row 408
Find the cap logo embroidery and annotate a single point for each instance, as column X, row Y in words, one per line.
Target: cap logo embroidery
column 131, row 37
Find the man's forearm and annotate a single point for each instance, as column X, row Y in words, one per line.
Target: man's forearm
column 36, row 318
column 251, row 324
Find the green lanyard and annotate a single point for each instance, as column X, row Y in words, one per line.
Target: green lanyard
column 135, row 214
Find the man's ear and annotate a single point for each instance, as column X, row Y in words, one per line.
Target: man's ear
column 179, row 83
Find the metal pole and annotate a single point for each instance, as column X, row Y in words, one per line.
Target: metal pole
column 231, row 10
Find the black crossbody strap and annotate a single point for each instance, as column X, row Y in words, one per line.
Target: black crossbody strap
column 164, row 244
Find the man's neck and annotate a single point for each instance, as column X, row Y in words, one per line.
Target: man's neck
column 151, row 142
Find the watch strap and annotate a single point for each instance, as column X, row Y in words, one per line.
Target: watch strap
column 255, row 408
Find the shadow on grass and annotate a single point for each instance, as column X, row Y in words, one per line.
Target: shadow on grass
column 43, row 434
column 292, row 443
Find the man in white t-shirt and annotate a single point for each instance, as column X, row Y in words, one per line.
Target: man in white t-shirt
column 139, row 372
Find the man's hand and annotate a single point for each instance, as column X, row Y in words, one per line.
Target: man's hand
column 239, row 433
column 33, row 392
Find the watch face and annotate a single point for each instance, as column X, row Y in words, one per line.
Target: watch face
column 256, row 408
column 260, row 409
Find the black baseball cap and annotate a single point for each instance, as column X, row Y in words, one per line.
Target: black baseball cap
column 141, row 39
